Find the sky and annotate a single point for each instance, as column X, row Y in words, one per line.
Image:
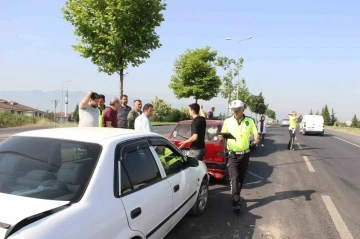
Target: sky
column 306, row 51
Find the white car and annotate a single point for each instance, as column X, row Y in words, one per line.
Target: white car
column 96, row 183
column 312, row 124
column 285, row 122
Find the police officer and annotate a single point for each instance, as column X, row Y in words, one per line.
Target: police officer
column 240, row 126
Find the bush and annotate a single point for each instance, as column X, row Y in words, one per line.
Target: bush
column 12, row 120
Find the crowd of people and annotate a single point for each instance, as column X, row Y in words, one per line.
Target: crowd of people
column 93, row 112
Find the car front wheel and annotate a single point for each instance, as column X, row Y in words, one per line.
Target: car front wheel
column 202, row 198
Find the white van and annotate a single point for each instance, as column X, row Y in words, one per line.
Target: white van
column 312, row 124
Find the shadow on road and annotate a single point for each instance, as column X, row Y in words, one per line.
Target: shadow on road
column 279, row 196
column 219, row 221
column 257, row 175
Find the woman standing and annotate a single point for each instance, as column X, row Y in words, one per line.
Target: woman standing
column 262, row 129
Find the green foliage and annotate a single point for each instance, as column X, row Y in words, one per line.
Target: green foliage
column 326, row 116
column 12, row 120
column 195, row 75
column 115, row 33
column 257, row 104
column 311, row 112
column 270, row 113
column 75, row 115
column 232, row 67
column 317, row 113
column 173, row 116
column 333, row 117
column 161, row 109
column 355, row 122
column 49, row 115
column 244, row 93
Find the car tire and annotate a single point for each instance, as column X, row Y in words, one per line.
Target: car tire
column 201, row 200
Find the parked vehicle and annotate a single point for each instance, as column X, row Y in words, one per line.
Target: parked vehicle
column 95, row 183
column 214, row 159
column 312, row 124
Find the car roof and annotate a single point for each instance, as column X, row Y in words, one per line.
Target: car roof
column 85, row 134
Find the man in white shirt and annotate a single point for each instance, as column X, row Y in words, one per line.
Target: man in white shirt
column 88, row 110
column 142, row 122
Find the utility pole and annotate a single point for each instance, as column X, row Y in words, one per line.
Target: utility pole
column 55, row 102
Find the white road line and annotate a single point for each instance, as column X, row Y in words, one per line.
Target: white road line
column 336, row 218
column 308, row 164
column 346, row 141
column 307, row 161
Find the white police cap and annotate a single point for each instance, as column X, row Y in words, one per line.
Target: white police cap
column 236, row 104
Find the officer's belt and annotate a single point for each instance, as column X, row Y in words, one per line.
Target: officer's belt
column 241, row 152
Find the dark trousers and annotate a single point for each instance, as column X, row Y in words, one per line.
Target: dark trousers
column 237, row 167
column 292, row 138
column 263, row 138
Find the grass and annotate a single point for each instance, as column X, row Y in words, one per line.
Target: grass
column 15, row 120
column 165, row 135
column 345, row 129
column 162, row 123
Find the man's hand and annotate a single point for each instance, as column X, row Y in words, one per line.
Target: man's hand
column 220, row 137
column 182, row 144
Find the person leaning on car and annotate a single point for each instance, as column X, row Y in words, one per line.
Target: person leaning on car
column 197, row 139
column 240, row 126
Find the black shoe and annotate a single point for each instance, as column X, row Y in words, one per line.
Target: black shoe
column 237, row 208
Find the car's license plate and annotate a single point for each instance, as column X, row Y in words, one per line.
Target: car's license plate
column 185, row 152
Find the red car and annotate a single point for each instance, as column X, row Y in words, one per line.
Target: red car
column 214, row 158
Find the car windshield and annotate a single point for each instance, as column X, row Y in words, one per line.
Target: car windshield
column 46, row 168
column 183, row 131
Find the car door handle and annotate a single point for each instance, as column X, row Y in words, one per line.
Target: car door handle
column 135, row 213
column 176, row 188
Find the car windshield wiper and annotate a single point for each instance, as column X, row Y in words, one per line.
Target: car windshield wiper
column 183, row 136
column 26, row 156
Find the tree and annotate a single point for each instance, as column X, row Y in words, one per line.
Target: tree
column 311, row 112
column 326, row 115
column 76, row 114
column 244, row 93
column 49, row 115
column 271, row 114
column 232, row 67
column 114, row 34
column 184, row 113
column 257, row 104
column 355, row 122
column 195, row 75
column 317, row 113
column 161, row 109
column 333, row 117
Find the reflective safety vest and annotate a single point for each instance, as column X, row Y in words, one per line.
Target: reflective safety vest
column 101, row 115
column 168, row 158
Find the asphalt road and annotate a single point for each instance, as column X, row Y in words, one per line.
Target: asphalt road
column 6, row 132
column 313, row 192
column 285, row 197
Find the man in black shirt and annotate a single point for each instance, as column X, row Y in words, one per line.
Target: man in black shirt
column 197, row 139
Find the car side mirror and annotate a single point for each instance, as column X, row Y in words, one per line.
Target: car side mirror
column 191, row 162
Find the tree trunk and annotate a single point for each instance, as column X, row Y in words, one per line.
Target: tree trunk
column 196, row 100
column 121, row 82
